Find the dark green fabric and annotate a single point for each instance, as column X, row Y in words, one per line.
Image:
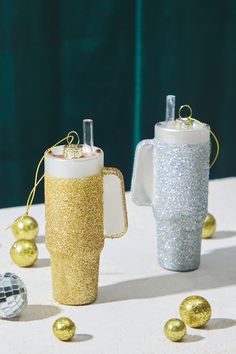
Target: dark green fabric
column 113, row 61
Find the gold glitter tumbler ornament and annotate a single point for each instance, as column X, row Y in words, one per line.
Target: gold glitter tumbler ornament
column 25, row 227
column 84, row 204
column 24, row 253
column 175, row 330
column 195, row 311
column 74, row 236
column 209, row 226
column 64, row 329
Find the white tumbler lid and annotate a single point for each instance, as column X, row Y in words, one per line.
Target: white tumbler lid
column 169, row 132
column 56, row 165
column 184, row 130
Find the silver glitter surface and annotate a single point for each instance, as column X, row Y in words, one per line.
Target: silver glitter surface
column 13, row 295
column 181, row 174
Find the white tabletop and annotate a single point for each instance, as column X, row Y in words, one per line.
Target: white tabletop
column 136, row 297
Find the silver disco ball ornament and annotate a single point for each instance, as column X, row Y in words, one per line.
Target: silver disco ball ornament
column 13, row 295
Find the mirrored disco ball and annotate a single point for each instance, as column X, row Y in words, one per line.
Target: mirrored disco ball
column 13, row 295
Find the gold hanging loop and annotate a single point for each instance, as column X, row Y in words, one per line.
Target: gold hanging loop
column 186, row 120
column 216, row 141
column 181, row 109
column 190, row 119
column 70, row 138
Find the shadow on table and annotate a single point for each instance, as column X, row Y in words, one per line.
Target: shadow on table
column 190, row 338
column 40, row 239
column 220, row 323
column 38, row 312
column 82, row 337
column 217, row 270
column 223, row 234
column 42, row 263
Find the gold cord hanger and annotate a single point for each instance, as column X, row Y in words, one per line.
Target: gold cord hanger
column 69, row 138
column 189, row 119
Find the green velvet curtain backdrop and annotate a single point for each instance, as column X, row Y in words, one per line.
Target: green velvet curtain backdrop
column 113, row 61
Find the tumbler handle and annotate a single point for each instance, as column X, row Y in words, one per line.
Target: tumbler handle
column 143, row 179
column 115, row 212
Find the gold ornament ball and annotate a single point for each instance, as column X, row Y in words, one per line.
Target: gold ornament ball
column 175, row 330
column 195, row 311
column 25, row 228
column 209, row 226
column 24, row 253
column 64, row 329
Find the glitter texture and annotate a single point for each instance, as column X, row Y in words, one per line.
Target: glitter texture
column 74, row 236
column 181, row 173
column 195, row 311
column 64, row 328
column 24, row 253
column 25, row 227
column 209, row 226
column 13, row 296
column 175, row 329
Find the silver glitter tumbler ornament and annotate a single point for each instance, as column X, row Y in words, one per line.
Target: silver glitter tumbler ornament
column 13, row 296
column 171, row 174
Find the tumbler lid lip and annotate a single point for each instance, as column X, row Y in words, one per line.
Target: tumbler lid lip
column 57, row 153
column 170, row 132
column 173, row 126
column 72, row 167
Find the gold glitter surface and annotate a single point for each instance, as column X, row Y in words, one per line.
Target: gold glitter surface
column 195, row 311
column 25, row 228
column 64, row 329
column 209, row 226
column 24, row 253
column 74, row 236
column 175, row 330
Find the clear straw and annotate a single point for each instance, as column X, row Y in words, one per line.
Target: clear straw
column 88, row 136
column 170, row 108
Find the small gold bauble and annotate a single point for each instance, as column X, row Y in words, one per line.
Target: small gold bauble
column 195, row 311
column 209, row 226
column 25, row 227
column 64, row 329
column 72, row 151
column 24, row 253
column 175, row 329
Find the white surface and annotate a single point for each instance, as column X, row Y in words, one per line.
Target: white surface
column 136, row 296
column 72, row 168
